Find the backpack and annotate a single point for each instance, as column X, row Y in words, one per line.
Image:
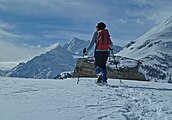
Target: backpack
column 103, row 40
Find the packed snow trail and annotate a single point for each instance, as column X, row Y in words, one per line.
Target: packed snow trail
column 33, row 99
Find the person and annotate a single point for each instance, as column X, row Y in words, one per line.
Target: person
column 103, row 42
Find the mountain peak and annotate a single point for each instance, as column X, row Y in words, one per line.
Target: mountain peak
column 75, row 40
column 76, row 45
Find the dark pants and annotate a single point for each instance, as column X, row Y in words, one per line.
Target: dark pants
column 100, row 63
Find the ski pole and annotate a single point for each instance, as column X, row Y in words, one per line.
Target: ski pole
column 78, row 76
column 116, row 63
column 84, row 51
column 78, row 80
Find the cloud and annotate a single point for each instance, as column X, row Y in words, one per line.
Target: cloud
column 4, row 25
column 13, row 47
column 63, row 35
column 161, row 15
column 11, row 52
column 127, row 21
column 11, row 34
column 5, row 33
column 154, row 10
column 70, row 17
column 73, row 10
column 46, row 22
column 85, row 10
column 139, row 21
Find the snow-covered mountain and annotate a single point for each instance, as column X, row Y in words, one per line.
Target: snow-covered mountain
column 47, row 65
column 76, row 45
column 52, row 63
column 155, row 50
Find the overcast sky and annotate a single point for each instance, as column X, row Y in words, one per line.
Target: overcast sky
column 41, row 23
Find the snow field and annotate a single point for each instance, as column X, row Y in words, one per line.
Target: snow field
column 26, row 99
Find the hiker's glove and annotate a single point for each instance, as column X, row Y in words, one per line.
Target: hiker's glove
column 111, row 49
column 85, row 52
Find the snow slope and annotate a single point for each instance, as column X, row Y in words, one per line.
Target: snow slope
column 35, row 99
column 158, row 39
column 155, row 50
column 47, row 65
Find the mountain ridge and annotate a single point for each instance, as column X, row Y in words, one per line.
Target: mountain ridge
column 47, row 65
column 154, row 48
column 51, row 63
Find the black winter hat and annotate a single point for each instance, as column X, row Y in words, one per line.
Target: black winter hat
column 101, row 26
